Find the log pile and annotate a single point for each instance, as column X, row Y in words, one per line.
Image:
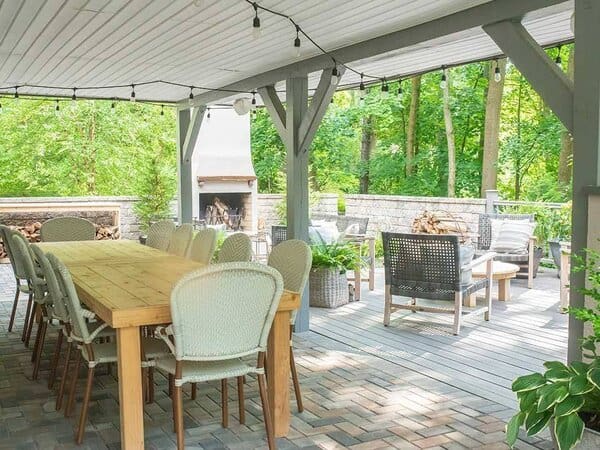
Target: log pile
column 440, row 222
column 31, row 232
column 219, row 212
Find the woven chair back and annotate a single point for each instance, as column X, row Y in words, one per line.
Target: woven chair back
column 422, row 265
column 180, row 240
column 5, row 233
column 203, row 246
column 79, row 328
column 485, row 226
column 62, row 229
column 159, row 234
column 278, row 234
column 224, row 311
column 55, row 301
column 236, row 247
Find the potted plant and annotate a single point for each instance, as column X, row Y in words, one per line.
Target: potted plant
column 328, row 282
column 566, row 398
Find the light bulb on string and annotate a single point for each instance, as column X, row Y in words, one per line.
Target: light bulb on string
column 191, row 97
column 0, row 108
column 400, row 94
column 497, row 74
column 132, row 96
column 443, row 79
column 255, row 23
column 361, row 86
column 208, row 114
column 162, row 110
column 297, row 42
column 385, row 90
column 335, row 76
column 57, row 107
column 253, row 103
column 558, row 59
column 112, row 107
column 74, row 96
column 16, row 94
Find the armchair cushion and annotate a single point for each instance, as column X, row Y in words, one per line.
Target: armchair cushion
column 513, row 237
column 465, row 256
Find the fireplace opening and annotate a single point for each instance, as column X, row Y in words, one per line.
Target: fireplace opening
column 225, row 208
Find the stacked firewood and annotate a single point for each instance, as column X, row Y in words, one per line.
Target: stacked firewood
column 440, row 222
column 220, row 213
column 31, row 232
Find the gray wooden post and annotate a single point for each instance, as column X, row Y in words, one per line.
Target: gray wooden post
column 188, row 127
column 297, row 124
column 491, row 197
column 586, row 150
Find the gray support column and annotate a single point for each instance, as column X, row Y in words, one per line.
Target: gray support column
column 547, row 79
column 188, row 130
column 586, row 150
column 297, row 176
column 184, row 173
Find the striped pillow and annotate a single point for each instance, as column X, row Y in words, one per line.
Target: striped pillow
column 513, row 237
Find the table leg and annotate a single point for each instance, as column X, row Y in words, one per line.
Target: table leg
column 371, row 264
column 504, row 290
column 470, row 301
column 357, row 276
column 278, row 373
column 130, row 388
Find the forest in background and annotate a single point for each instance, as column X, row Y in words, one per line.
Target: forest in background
column 380, row 145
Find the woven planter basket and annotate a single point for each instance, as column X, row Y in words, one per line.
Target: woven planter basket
column 328, row 287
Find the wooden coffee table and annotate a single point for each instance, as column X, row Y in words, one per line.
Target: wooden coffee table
column 502, row 273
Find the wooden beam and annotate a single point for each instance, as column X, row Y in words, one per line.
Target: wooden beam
column 275, row 107
column 318, row 106
column 191, row 135
column 484, row 14
column 545, row 76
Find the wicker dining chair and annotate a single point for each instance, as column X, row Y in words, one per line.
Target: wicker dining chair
column 62, row 229
column 292, row 259
column 20, row 277
column 92, row 352
column 236, row 247
column 221, row 313
column 203, row 246
column 27, row 271
column 429, row 267
column 159, row 234
column 278, row 234
column 180, row 240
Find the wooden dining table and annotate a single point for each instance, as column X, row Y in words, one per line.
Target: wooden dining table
column 128, row 285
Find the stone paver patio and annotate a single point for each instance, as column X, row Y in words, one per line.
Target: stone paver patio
column 411, row 386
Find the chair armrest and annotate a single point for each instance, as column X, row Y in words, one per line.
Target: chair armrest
column 533, row 239
column 165, row 334
column 86, row 313
column 483, row 258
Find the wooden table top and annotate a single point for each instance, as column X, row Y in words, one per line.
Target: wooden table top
column 128, row 284
column 500, row 270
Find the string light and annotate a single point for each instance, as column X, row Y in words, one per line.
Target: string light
column 0, row 108
column 208, row 113
column 497, row 74
column 57, row 107
column 361, row 87
column 112, row 107
column 558, row 59
column 443, row 79
column 191, row 97
column 16, row 93
column 74, row 96
column 335, row 76
column 132, row 96
column 400, row 92
column 385, row 90
column 253, row 103
column 162, row 110
column 297, row 42
column 255, row 22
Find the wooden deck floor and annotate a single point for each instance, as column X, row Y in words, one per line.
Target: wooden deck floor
column 483, row 360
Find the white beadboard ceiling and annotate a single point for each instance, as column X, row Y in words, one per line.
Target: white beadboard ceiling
column 75, row 43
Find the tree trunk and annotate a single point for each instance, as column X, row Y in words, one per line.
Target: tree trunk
column 566, row 140
column 449, row 138
column 411, row 134
column 489, row 170
column 366, row 146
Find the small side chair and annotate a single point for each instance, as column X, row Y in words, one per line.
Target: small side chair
column 67, row 229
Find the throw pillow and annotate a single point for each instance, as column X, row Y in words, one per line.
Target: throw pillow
column 465, row 256
column 513, row 237
column 328, row 231
column 497, row 223
column 353, row 228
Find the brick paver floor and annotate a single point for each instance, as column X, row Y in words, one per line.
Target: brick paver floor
column 409, row 386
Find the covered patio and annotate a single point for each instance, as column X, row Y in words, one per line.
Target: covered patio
column 366, row 386
column 409, row 386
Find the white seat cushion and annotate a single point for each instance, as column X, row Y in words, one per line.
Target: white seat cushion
column 198, row 371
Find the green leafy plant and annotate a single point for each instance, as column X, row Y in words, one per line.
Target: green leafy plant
column 221, row 236
column 339, row 255
column 566, row 397
column 155, row 193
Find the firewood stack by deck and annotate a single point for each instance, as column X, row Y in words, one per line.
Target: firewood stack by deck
column 31, row 232
column 219, row 212
column 440, row 222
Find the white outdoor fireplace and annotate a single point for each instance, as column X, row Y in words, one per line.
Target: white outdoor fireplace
column 225, row 186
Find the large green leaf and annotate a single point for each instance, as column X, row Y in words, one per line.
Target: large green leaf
column 550, row 395
column 540, row 424
column 554, row 365
column 569, row 405
column 512, row 428
column 533, row 418
column 580, row 384
column 579, row 367
column 568, row 431
column 560, row 374
column 528, row 382
column 594, row 377
column 527, row 400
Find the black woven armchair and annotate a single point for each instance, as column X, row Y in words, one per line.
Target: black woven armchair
column 428, row 267
column 526, row 261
